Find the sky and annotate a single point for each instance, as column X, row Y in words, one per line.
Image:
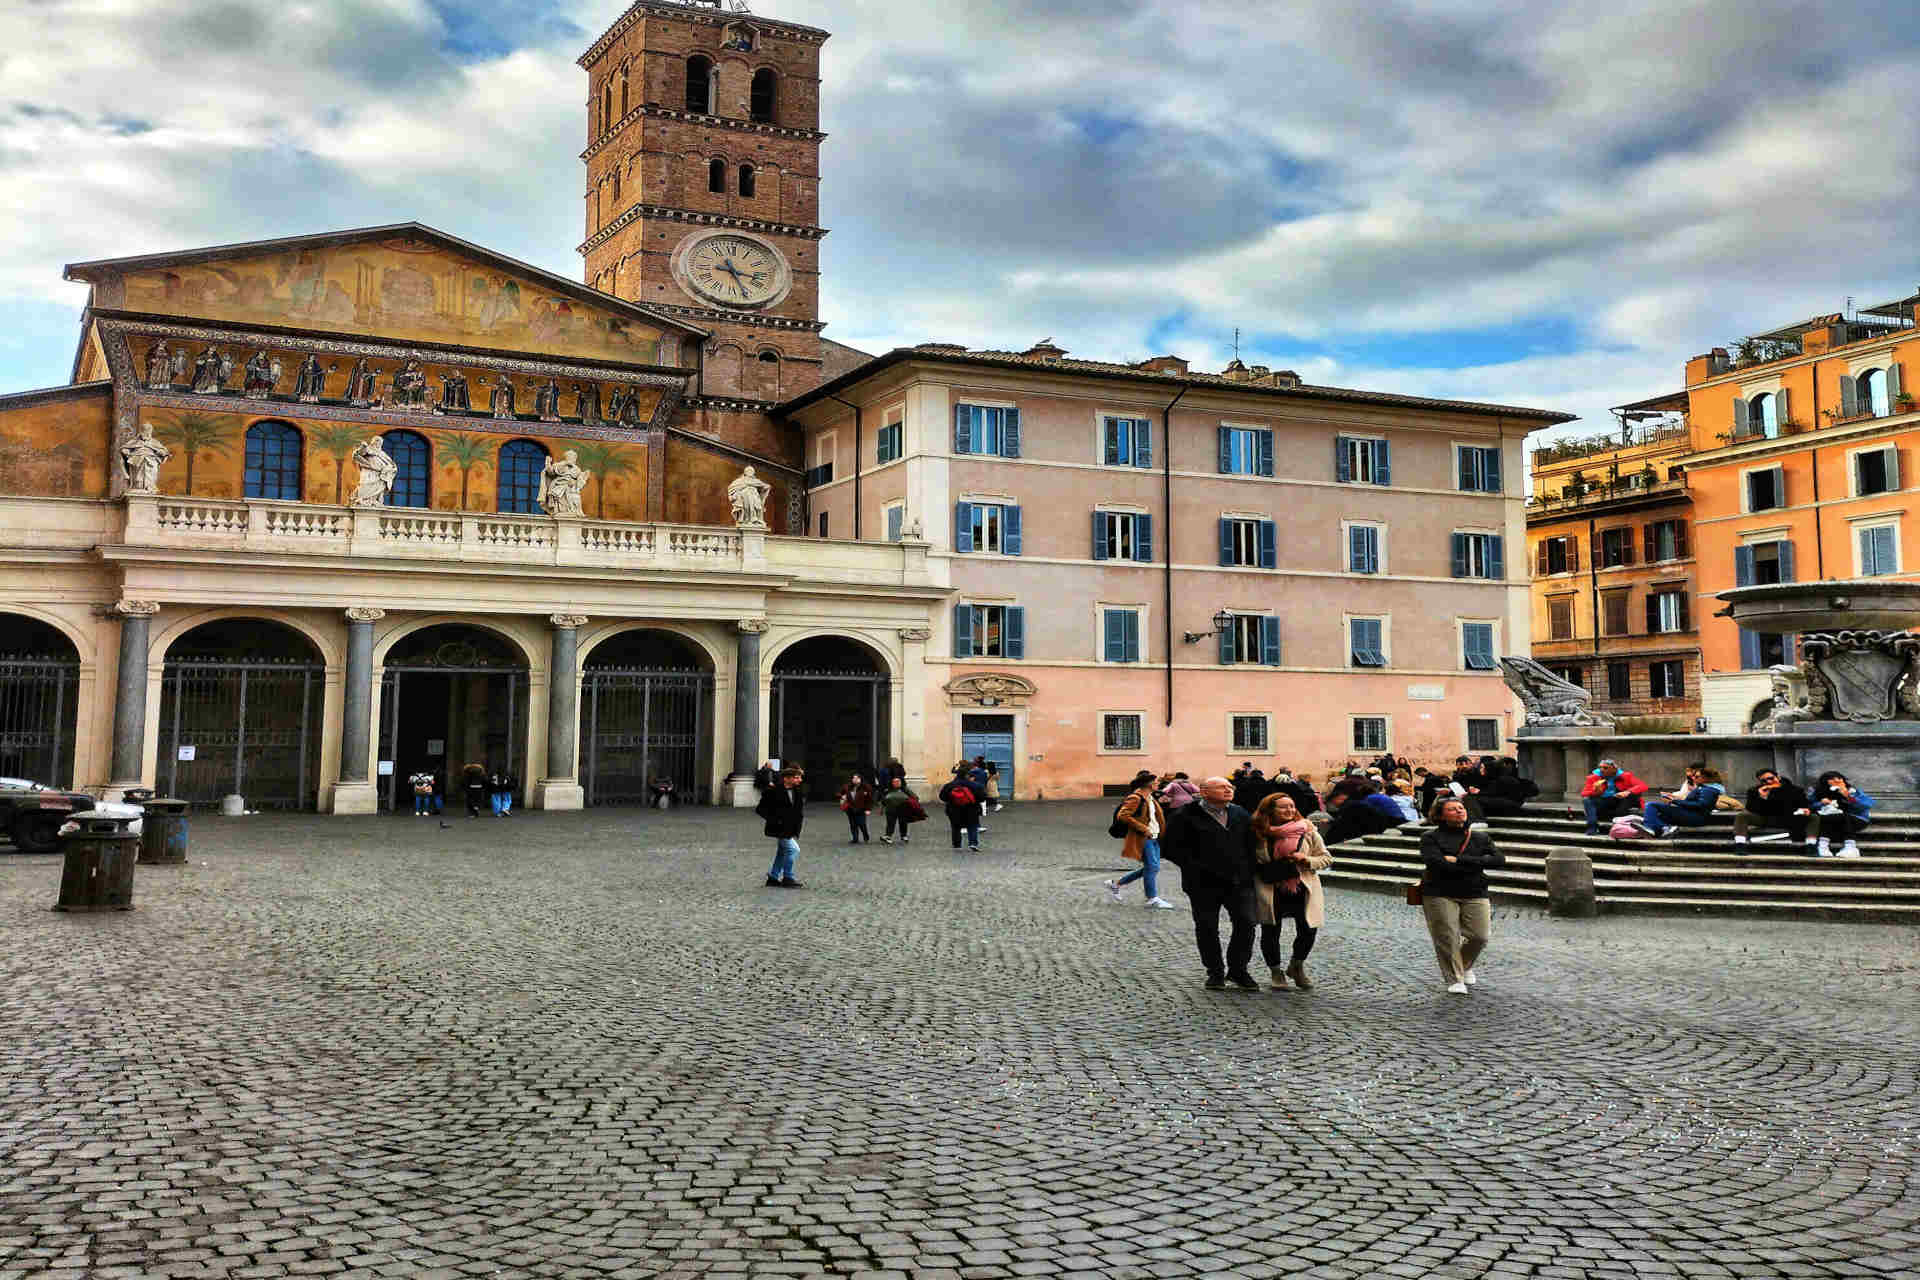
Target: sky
column 1547, row 204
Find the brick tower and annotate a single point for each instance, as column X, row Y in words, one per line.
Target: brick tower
column 703, row 195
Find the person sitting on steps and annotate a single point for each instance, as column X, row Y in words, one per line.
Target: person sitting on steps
column 1773, row 801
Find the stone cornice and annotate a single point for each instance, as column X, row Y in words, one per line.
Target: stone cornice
column 744, row 317
column 652, row 111
column 701, row 15
column 664, row 213
column 1819, row 438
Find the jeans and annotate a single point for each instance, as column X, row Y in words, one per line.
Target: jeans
column 785, row 850
column 1149, row 870
column 897, row 822
column 422, row 803
column 1460, row 928
column 1661, row 814
column 1605, row 808
column 857, row 825
column 1207, row 897
column 1284, row 909
column 499, row 799
column 969, row 825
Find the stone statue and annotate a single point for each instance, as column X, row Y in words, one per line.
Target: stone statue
column 377, row 472
column 502, row 401
column 141, row 458
column 586, row 402
column 913, row 531
column 748, row 497
column 210, row 372
column 262, row 376
column 546, row 401
column 1792, row 700
column 453, row 393
column 311, row 382
column 561, row 484
column 162, row 364
column 362, row 383
column 1547, row 698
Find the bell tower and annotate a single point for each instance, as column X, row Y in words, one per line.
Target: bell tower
column 703, row 189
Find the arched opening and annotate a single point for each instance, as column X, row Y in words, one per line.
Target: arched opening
column 646, row 719
column 521, row 462
column 413, row 481
column 1873, row 393
column 766, row 375
column 451, row 695
column 276, row 461
column 39, row 701
column 624, row 98
column 761, row 96
column 831, row 710
column 717, row 176
column 606, row 107
column 616, row 190
column 700, row 84
column 1763, row 416
column 746, row 181
column 240, row 715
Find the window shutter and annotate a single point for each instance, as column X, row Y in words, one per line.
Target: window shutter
column 1460, row 563
column 1010, row 530
column 1686, row 621
column 1893, row 386
column 1382, row 463
column 1626, row 544
column 1143, row 538
column 1653, row 614
column 1342, row 462
column 1014, row 639
column 1142, row 443
column 1226, row 541
column 1269, row 545
column 1101, row 549
column 1133, row 636
column 1540, row 558
column 1743, row 566
column 1779, row 486
column 1226, row 450
column 1749, row 650
column 1652, row 540
column 1111, row 427
column 1265, row 440
column 1493, row 471
column 1373, row 550
column 1781, row 414
column 1226, row 645
column 1010, row 435
column 1849, row 396
column 1270, row 640
column 1740, row 427
column 963, row 526
column 1680, row 539
column 1467, row 478
column 963, row 631
column 1115, row 643
column 962, row 428
column 1359, row 549
column 1786, row 563
column 1573, row 554
column 1497, row 558
column 1893, row 468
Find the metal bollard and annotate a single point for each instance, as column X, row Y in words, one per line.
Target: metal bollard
column 98, row 875
column 163, row 833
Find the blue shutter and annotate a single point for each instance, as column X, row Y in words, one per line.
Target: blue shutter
column 1461, row 562
column 1493, row 470
column 1226, row 450
column 962, row 428
column 963, row 631
column 1014, row 639
column 1357, row 549
column 1226, row 646
column 1270, row 640
column 1342, row 464
column 1143, row 538
column 1100, row 549
column 1382, row 463
column 963, row 526
column 1740, row 424
column 1786, row 561
column 1226, row 541
column 1010, row 530
column 1749, row 650
column 1743, row 568
column 1265, row 439
column 1269, row 545
column 1130, row 630
column 1110, row 428
column 1497, row 558
column 1010, row 434
column 1115, row 642
column 1142, row 443
column 1467, row 477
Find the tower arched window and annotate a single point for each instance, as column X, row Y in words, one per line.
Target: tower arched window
column 1873, row 393
column 700, row 84
column 616, row 189
column 760, row 100
column 624, row 108
column 717, row 175
column 606, row 107
column 1763, row 416
column 746, row 180
column 521, row 462
column 276, row 453
column 413, row 456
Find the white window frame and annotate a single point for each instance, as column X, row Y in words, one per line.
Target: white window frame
column 1258, row 617
column 1379, row 528
column 1460, row 626
column 894, row 416
column 1657, row 559
column 1256, row 429
column 827, row 442
column 1352, row 437
column 1746, row 490
column 1480, row 532
column 1100, row 610
column 1878, row 520
column 1458, row 445
column 978, row 501
column 1386, row 723
column 1255, row 519
column 1556, row 537
column 887, row 511
column 1100, row 417
column 1661, row 590
column 1662, row 662
column 1100, row 728
column 980, row 627
column 1853, row 468
column 1386, row 639
column 1466, row 735
column 977, row 403
column 1134, row 514
column 1266, row 732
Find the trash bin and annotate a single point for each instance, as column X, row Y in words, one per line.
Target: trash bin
column 163, row 832
column 98, row 875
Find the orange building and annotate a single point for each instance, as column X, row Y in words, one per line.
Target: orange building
column 1797, row 474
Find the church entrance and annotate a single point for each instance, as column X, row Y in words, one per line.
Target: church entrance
column 646, row 718
column 831, row 710
column 240, row 715
column 39, row 701
column 451, row 696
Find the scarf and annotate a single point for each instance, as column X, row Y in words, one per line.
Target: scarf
column 1284, row 841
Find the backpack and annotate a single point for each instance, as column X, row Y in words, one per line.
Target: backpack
column 961, row 796
column 1628, row 829
column 1118, row 829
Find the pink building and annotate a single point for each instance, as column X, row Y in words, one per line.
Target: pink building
column 1154, row 568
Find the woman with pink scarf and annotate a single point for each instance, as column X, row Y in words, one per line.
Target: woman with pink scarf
column 1288, row 852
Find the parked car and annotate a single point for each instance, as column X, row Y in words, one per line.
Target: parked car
column 31, row 815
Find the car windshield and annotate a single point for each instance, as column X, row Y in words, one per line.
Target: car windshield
column 20, row 784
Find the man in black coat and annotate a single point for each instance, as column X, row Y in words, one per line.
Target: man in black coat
column 1773, row 801
column 783, row 809
column 1212, row 843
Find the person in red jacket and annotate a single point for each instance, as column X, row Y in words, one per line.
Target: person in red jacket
column 1610, row 791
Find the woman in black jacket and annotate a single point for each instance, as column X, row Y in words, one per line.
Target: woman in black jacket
column 1503, row 792
column 1454, row 892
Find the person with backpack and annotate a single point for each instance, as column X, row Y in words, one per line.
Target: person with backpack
column 963, row 806
column 856, row 801
column 473, row 782
column 900, row 804
column 783, row 810
column 1140, row 820
column 421, row 784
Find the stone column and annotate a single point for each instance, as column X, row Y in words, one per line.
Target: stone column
column 130, row 697
column 909, row 697
column 356, row 791
column 748, row 741
column 561, row 788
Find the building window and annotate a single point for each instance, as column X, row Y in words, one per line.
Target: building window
column 993, row 527
column 1876, row 471
column 1122, row 535
column 760, row 96
column 1560, row 618
column 1479, row 469
column 1666, row 612
column 1250, row 734
column 1369, row 733
column 891, row 441
column 1120, row 635
column 1483, row 733
column 1251, row 639
column 521, row 462
column 989, row 631
column 1126, row 442
column 746, row 181
column 616, row 188
column 1879, row 546
column 1478, row 555
column 1364, row 548
column 1557, row 555
column 983, row 430
column 1761, row 564
column 1476, row 645
column 1759, row 416
column 606, row 107
column 1616, row 548
column 823, row 525
column 896, row 514
column 1367, row 642
column 819, row 475
column 1758, row 652
column 1869, row 395
column 1357, row 460
column 717, row 176
column 1664, row 679
column 1666, row 540
column 700, row 86
column 1619, row 681
column 1573, row 674
column 413, row 479
column 1613, row 612
column 1120, row 731
column 1245, row 451
column 275, row 461
column 1766, row 489
column 625, row 98
column 1247, row 542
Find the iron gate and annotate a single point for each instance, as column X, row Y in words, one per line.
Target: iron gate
column 37, row 716
column 643, row 723
column 831, row 730
column 501, row 741
column 245, row 726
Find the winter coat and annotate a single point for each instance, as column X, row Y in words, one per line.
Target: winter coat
column 1139, row 812
column 1857, row 806
column 963, row 815
column 897, row 801
column 1178, row 794
column 859, row 798
column 1205, row 850
column 1312, row 857
column 783, row 809
column 1624, row 783
column 1781, row 802
column 1466, row 875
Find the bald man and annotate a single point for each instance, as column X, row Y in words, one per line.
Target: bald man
column 1212, row 843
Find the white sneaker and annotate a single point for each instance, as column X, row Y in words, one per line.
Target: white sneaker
column 1160, row 904
column 1113, row 890
column 1848, row 850
column 1471, row 980
column 1456, row 989
column 1739, row 839
column 1825, row 850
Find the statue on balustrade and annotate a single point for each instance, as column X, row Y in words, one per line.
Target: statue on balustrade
column 163, row 365
column 453, row 393
column 747, row 495
column 546, row 401
column 586, row 402
column 210, row 372
column 377, row 472
column 501, row 402
column 311, row 383
column 362, row 384
column 141, row 458
column 262, row 376
column 561, row 484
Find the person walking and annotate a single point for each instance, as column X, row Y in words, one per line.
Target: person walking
column 1690, row 806
column 1211, row 841
column 1287, row 858
column 500, row 792
column 421, row 784
column 899, row 804
column 1454, row 892
column 1843, row 810
column 856, row 801
column 473, row 781
column 1145, row 819
column 963, row 806
column 1773, row 801
column 993, row 788
column 783, row 810
column 1608, row 792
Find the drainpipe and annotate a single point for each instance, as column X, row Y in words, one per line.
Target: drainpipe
column 1593, row 578
column 1166, row 541
column 1813, row 465
column 856, row 460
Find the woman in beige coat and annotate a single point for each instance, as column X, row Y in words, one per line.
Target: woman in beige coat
column 1287, row 854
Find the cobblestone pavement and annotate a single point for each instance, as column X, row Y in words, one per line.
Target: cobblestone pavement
column 595, row 1045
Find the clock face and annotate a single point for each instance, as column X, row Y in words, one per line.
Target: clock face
column 734, row 271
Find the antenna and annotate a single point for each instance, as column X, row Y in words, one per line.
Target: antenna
column 1236, row 342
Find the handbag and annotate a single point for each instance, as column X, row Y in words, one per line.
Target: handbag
column 1415, row 896
column 916, row 812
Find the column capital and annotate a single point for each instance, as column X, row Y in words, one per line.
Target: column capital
column 137, row 608
column 361, row 613
column 751, row 626
column 567, row 621
column 916, row 634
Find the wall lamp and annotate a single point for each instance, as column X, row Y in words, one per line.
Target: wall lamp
column 1221, row 621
